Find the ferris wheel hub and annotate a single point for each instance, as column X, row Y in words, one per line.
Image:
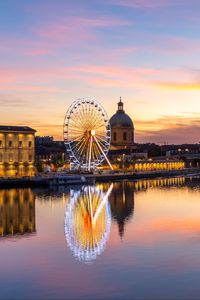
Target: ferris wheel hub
column 93, row 132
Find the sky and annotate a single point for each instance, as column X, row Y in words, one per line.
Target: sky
column 145, row 51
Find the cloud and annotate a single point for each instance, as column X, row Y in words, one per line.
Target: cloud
column 144, row 3
column 8, row 100
column 113, row 76
column 179, row 85
column 37, row 52
column 74, row 30
column 170, row 129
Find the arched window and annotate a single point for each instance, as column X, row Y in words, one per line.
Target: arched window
column 114, row 136
column 124, row 136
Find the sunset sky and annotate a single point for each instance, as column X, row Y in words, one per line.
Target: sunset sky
column 146, row 51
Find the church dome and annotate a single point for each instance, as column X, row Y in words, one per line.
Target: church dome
column 120, row 118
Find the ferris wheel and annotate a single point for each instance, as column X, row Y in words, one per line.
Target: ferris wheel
column 87, row 134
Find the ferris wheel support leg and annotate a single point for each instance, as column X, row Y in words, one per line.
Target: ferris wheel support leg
column 103, row 153
column 90, row 151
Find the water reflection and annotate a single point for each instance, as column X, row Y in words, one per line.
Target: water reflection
column 17, row 212
column 144, row 184
column 87, row 221
column 90, row 209
column 122, row 204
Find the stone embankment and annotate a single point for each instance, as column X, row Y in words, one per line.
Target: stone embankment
column 48, row 181
column 53, row 180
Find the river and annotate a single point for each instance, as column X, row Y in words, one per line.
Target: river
column 138, row 239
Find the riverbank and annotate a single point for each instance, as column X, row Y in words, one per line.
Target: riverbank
column 69, row 179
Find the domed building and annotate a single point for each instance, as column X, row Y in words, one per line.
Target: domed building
column 122, row 128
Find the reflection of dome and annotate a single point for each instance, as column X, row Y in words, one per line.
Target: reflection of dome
column 122, row 127
column 87, row 223
column 122, row 204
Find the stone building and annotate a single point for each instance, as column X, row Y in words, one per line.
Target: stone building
column 17, row 151
column 122, row 129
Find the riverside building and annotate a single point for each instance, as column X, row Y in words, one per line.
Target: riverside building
column 122, row 129
column 17, row 151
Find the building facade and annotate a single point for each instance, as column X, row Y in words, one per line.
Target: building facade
column 156, row 165
column 17, row 151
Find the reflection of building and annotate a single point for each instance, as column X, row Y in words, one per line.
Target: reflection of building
column 17, row 151
column 122, row 203
column 144, row 184
column 122, row 128
column 17, row 212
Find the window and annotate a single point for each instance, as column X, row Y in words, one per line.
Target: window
column 10, row 144
column 124, row 136
column 115, row 136
column 1, row 157
column 20, row 144
column 10, row 157
column 29, row 144
column 30, row 158
column 1, row 143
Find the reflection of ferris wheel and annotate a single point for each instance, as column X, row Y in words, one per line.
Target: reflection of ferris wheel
column 87, row 133
column 87, row 222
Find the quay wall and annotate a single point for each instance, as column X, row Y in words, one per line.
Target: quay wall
column 44, row 181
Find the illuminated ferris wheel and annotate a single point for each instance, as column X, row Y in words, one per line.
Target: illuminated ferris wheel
column 87, row 222
column 87, row 134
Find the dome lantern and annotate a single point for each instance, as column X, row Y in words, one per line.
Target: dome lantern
column 120, row 105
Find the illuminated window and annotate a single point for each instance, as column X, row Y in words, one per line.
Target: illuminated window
column 20, row 143
column 29, row 144
column 124, row 136
column 115, row 136
column 10, row 157
column 30, row 158
column 10, row 143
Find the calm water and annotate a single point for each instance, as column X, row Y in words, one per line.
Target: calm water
column 124, row 239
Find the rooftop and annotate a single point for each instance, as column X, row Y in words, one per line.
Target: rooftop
column 17, row 128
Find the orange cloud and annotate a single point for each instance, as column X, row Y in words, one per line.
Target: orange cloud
column 179, row 85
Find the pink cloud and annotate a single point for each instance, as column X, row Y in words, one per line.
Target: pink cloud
column 14, row 78
column 74, row 29
column 37, row 52
column 113, row 76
